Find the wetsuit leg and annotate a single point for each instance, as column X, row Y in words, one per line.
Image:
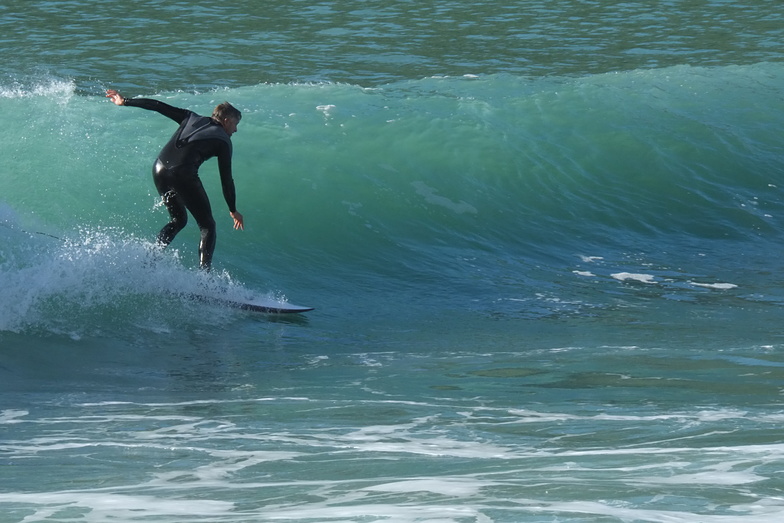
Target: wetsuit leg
column 185, row 190
column 164, row 179
column 202, row 213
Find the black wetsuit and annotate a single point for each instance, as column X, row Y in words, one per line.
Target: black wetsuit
column 176, row 173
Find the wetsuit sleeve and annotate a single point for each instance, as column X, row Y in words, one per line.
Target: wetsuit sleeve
column 227, row 181
column 175, row 113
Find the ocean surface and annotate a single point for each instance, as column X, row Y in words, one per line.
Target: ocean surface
column 543, row 240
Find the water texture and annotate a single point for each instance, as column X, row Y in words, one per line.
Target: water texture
column 541, row 240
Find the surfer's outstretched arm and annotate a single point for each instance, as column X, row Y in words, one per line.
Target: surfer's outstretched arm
column 175, row 113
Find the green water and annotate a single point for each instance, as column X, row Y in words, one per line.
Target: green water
column 541, row 239
column 153, row 45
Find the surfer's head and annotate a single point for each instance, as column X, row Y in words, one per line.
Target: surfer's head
column 228, row 116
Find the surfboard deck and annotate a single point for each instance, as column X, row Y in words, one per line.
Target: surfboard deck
column 265, row 305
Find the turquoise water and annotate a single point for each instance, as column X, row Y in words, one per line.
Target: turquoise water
column 541, row 239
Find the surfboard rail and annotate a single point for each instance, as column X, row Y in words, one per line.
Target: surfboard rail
column 263, row 305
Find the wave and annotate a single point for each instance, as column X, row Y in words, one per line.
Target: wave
column 459, row 183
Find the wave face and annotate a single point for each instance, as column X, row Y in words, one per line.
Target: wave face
column 468, row 193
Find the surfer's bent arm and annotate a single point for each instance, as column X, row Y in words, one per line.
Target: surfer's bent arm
column 175, row 113
column 227, row 183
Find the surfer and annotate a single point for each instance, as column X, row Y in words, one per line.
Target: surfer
column 176, row 171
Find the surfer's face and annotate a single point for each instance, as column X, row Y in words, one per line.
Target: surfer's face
column 230, row 125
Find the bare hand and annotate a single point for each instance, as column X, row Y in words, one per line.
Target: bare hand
column 115, row 97
column 239, row 223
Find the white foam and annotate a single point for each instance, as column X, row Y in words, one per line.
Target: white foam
column 721, row 286
column 55, row 284
column 12, row 415
column 751, row 513
column 626, row 276
column 445, row 486
column 50, row 88
column 108, row 506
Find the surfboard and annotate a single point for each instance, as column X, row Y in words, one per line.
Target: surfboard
column 265, row 305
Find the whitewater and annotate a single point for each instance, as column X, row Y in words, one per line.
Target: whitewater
column 541, row 240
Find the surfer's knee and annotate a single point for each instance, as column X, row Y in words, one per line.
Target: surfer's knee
column 179, row 221
column 207, row 225
column 209, row 236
